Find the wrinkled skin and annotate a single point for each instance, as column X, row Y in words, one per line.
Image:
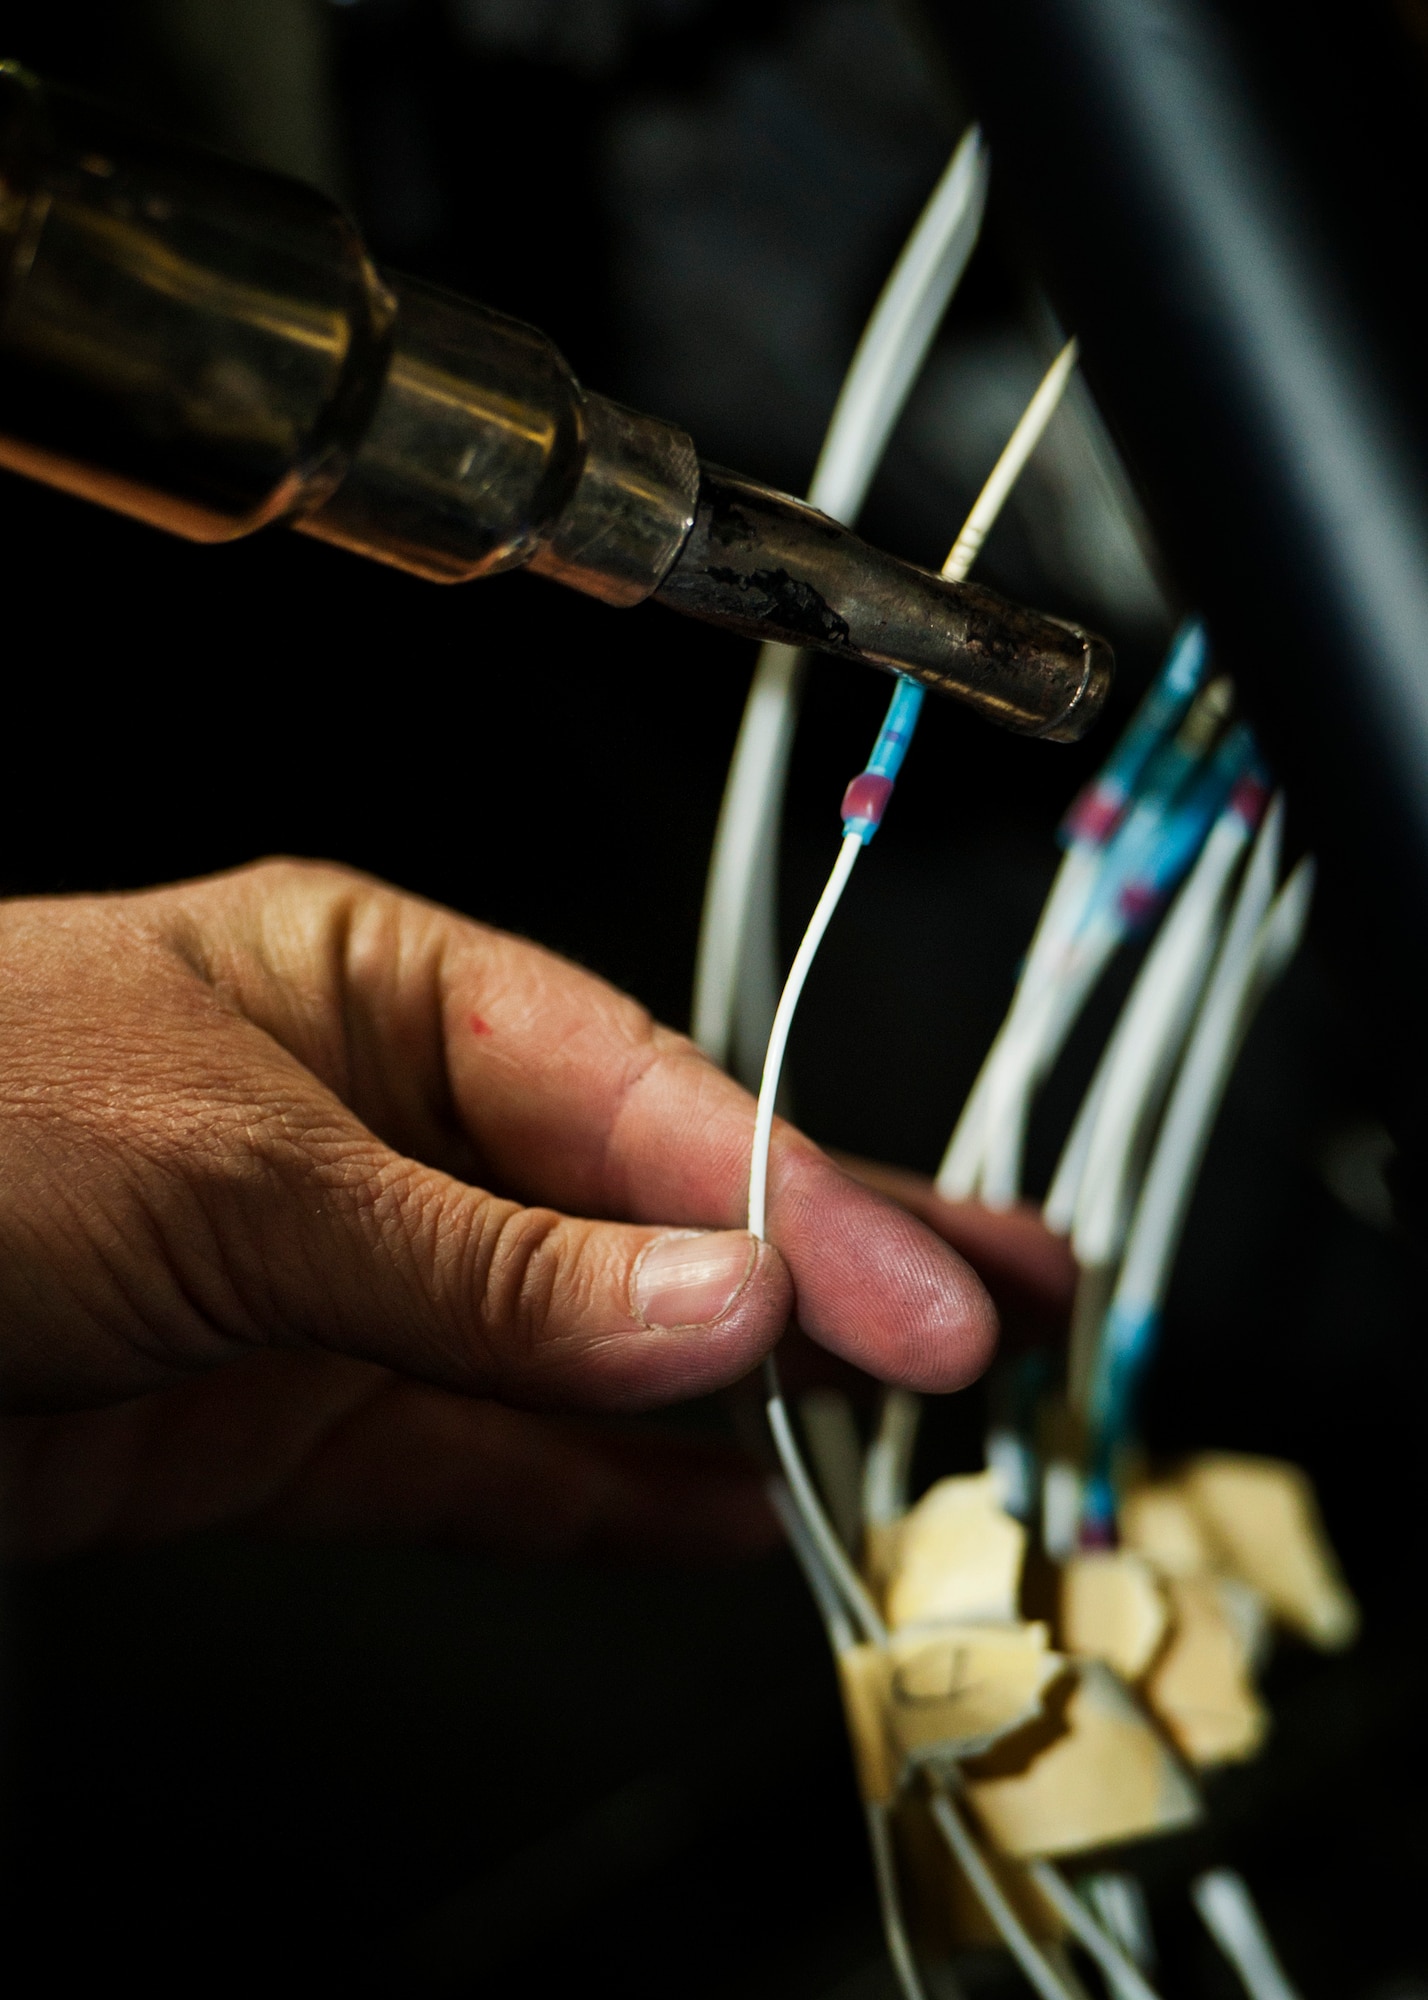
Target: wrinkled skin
column 326, row 1209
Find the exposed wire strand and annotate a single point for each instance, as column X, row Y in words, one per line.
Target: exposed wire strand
column 1010, row 466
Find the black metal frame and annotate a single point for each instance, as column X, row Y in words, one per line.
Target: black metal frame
column 1226, row 208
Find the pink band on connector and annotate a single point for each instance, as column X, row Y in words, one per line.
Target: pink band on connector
column 1248, row 798
column 866, row 798
column 1138, row 903
column 1094, row 815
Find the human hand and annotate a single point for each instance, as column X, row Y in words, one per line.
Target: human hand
column 1029, row 1272
column 249, row 1268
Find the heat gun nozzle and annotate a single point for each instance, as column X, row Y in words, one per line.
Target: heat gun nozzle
column 143, row 281
column 773, row 568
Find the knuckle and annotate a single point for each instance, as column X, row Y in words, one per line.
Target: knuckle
column 279, row 872
column 538, row 1292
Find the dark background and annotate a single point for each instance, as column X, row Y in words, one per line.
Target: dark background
column 393, row 1770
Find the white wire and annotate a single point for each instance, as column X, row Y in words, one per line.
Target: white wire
column 899, row 332
column 889, row 1461
column 1050, row 1012
column 1147, row 1041
column 1088, row 1189
column 890, row 1901
column 819, row 1529
column 961, row 1167
column 956, row 1177
column 736, row 972
column 841, row 1636
column 1117, row 1901
column 978, row 525
column 1203, row 1074
column 1123, row 1975
column 1059, row 1209
column 821, row 1533
column 842, row 1639
column 818, row 923
column 1013, row 1932
column 805, row 1495
column 1281, row 934
column 1258, row 943
column 990, row 500
column 1228, row 1913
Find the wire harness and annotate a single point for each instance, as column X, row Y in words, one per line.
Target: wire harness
column 1178, row 830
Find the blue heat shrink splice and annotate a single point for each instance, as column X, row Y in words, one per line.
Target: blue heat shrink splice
column 1098, row 810
column 866, row 798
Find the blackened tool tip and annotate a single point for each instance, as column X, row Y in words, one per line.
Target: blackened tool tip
column 768, row 566
column 1085, row 705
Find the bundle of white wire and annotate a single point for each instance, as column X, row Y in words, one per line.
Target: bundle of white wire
column 1083, row 924
column 1263, row 934
column 1090, row 1191
column 1064, row 960
column 1126, row 1237
column 1198, row 990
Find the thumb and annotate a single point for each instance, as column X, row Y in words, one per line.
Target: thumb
column 407, row 1266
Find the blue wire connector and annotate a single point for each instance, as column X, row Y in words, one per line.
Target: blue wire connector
column 865, row 800
column 1097, row 811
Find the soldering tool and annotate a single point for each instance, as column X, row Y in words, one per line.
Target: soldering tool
column 209, row 348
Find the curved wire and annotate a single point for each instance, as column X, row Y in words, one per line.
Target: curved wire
column 1013, row 1932
column 1123, row 1975
column 736, row 970
column 888, row 752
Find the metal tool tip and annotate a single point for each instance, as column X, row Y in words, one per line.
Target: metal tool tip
column 1085, row 705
